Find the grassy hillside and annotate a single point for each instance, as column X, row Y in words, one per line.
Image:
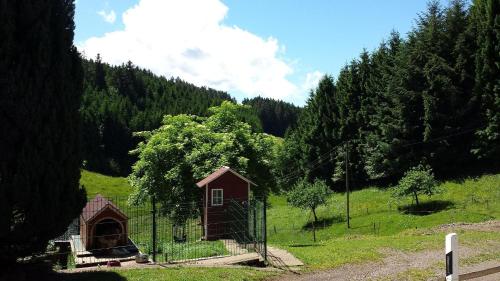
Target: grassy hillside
column 107, row 186
column 379, row 221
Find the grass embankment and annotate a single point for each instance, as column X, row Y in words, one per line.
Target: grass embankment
column 378, row 221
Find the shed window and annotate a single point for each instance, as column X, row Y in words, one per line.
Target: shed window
column 217, row 197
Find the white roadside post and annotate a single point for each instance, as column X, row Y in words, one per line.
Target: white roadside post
column 451, row 257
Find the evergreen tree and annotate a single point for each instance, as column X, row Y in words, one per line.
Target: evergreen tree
column 99, row 80
column 120, row 100
column 486, row 22
column 432, row 98
column 40, row 160
column 380, row 159
column 276, row 115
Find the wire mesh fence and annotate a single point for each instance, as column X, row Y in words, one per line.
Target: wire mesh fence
column 111, row 229
column 298, row 226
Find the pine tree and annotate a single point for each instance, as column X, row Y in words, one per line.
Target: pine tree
column 276, row 115
column 486, row 21
column 99, row 80
column 120, row 100
column 430, row 99
column 40, row 155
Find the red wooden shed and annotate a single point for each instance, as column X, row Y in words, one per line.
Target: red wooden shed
column 103, row 225
column 220, row 187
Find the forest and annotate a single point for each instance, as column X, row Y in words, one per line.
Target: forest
column 120, row 100
column 276, row 115
column 430, row 98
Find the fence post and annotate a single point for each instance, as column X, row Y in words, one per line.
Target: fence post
column 264, row 225
column 153, row 212
column 254, row 210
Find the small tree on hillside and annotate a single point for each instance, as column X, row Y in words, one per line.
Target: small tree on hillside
column 307, row 195
column 416, row 181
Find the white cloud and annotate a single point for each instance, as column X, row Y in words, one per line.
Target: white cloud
column 186, row 39
column 311, row 80
column 107, row 17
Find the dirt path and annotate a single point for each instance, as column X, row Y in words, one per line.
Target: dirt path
column 396, row 263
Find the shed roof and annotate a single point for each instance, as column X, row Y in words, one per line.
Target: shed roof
column 222, row 170
column 97, row 205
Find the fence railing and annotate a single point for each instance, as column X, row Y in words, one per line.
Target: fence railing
column 110, row 229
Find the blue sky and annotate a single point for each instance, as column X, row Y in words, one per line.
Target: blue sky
column 272, row 48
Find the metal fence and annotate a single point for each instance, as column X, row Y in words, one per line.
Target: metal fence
column 111, row 229
column 299, row 228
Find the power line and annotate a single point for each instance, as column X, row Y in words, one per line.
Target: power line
column 312, row 165
column 318, row 162
column 319, row 159
column 445, row 137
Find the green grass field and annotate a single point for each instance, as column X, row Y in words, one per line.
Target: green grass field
column 378, row 221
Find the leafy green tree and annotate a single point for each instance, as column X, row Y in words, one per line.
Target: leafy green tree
column 309, row 196
column 187, row 148
column 417, row 181
column 41, row 87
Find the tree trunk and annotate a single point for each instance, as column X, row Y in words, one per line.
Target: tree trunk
column 314, row 224
column 314, row 213
column 416, row 197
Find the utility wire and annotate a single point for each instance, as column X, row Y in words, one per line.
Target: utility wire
column 314, row 164
column 445, row 137
column 318, row 162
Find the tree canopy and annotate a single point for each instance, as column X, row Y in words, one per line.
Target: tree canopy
column 187, row 148
column 309, row 196
column 417, row 181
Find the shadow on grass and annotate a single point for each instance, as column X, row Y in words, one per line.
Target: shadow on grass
column 304, row 245
column 324, row 222
column 42, row 271
column 426, row 208
column 90, row 275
